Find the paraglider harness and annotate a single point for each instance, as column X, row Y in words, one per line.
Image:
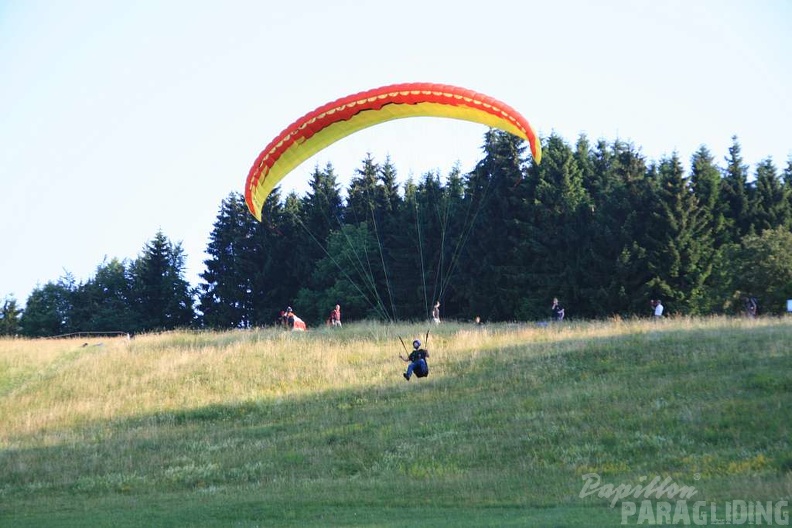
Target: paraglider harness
column 421, row 368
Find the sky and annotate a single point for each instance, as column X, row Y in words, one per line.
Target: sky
column 120, row 119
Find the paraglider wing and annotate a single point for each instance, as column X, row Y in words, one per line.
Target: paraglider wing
column 338, row 119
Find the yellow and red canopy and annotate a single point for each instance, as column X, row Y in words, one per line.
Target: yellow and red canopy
column 338, row 119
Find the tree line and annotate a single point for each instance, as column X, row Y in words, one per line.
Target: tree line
column 596, row 225
column 147, row 293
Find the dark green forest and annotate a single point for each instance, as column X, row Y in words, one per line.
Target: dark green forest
column 596, row 225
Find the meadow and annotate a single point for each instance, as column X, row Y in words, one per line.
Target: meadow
column 269, row 428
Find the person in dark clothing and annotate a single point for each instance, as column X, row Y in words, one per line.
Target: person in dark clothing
column 417, row 362
column 558, row 311
column 751, row 307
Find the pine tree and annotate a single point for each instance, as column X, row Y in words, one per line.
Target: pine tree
column 370, row 203
column 769, row 206
column 388, row 198
column 433, row 239
column 407, row 243
column 675, row 246
column 161, row 296
column 323, row 208
column 734, row 190
column 225, row 297
column 558, row 232
column 787, row 177
column 388, row 202
column 292, row 250
column 321, row 213
column 620, row 194
column 104, row 301
column 592, row 225
column 494, row 273
column 362, row 194
column 705, row 182
column 268, row 260
column 10, row 317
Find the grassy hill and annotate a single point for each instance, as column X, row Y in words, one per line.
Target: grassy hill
column 267, row 428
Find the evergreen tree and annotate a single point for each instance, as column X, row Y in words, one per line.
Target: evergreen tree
column 769, row 207
column 321, row 213
column 558, row 232
column 111, row 290
column 705, row 182
column 675, row 242
column 103, row 303
column 593, row 226
column 621, row 194
column 388, row 198
column 225, row 297
column 587, row 159
column 734, row 190
column 405, row 249
column 431, row 244
column 46, row 312
column 268, row 261
column 161, row 296
column 81, row 306
column 455, row 237
column 787, row 177
column 362, row 194
column 388, row 205
column 493, row 273
column 296, row 249
column 370, row 203
column 323, row 208
column 10, row 317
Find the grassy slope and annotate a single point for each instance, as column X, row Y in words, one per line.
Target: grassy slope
column 259, row 428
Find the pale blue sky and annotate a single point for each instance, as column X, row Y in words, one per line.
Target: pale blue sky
column 120, row 118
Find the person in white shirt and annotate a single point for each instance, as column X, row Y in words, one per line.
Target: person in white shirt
column 436, row 313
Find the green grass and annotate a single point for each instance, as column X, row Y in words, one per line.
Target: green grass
column 263, row 428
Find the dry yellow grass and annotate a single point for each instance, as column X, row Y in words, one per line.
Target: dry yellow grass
column 57, row 384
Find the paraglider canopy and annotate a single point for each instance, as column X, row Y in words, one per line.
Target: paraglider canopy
column 342, row 117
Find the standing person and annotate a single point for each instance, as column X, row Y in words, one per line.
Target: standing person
column 417, row 362
column 658, row 309
column 436, row 313
column 335, row 316
column 558, row 311
column 751, row 307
